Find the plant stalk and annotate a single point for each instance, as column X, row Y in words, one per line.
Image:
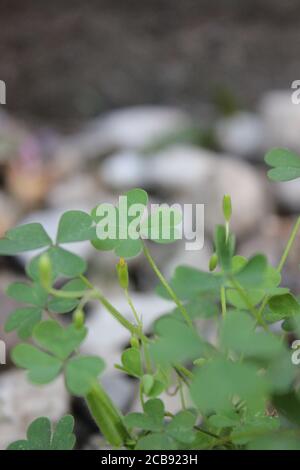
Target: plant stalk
column 167, row 286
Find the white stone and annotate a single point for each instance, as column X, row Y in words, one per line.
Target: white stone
column 288, row 194
column 75, row 191
column 242, row 134
column 281, row 119
column 138, row 126
column 128, row 128
column 248, row 191
column 124, row 170
column 198, row 259
column 199, row 176
column 181, row 166
column 22, row 402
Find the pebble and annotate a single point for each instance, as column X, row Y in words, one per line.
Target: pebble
column 22, row 402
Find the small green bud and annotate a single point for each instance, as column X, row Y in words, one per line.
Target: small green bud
column 199, row 362
column 227, row 208
column 78, row 318
column 45, row 271
column 122, row 270
column 134, row 342
column 147, row 382
column 213, row 262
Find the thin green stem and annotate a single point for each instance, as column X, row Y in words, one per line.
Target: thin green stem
column 167, row 286
column 66, row 295
column 86, row 281
column 133, row 309
column 226, row 231
column 97, row 294
column 142, row 396
column 115, row 313
column 223, row 301
column 181, row 394
column 289, row 245
column 143, row 339
column 282, row 261
column 248, row 302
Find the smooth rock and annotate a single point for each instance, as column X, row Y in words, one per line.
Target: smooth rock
column 194, row 175
column 124, row 170
column 128, row 128
column 138, row 126
column 242, row 134
column 22, row 402
column 287, row 195
column 76, row 190
column 180, row 167
column 198, row 259
column 249, row 194
column 281, row 119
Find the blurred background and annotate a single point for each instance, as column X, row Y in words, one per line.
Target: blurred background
column 182, row 98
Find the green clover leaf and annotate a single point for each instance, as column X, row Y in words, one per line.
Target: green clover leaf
column 152, row 387
column 238, row 334
column 29, row 294
column 59, row 341
column 286, row 164
column 124, row 236
column 257, row 279
column 162, row 225
column 150, row 420
column 176, row 342
column 181, row 428
column 131, row 362
column 63, row 263
column 42, row 368
column 219, row 380
column 283, row 306
column 176, row 434
column 39, row 435
column 189, row 282
column 123, row 244
column 82, row 373
column 59, row 305
column 23, row 320
column 75, row 226
column 24, row 238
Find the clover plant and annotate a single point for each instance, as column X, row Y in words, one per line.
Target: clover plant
column 239, row 392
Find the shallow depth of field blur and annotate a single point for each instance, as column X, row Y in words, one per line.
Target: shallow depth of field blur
column 181, row 98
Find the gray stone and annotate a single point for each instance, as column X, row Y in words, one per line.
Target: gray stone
column 22, row 402
column 124, row 170
column 287, row 195
column 242, row 134
column 181, row 167
column 281, row 119
column 128, row 128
